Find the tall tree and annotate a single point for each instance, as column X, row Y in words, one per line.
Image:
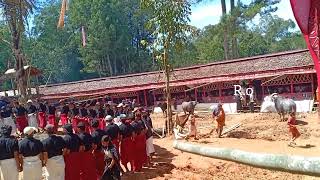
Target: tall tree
column 169, row 24
column 225, row 31
column 16, row 13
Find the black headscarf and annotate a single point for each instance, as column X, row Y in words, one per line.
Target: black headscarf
column 5, row 130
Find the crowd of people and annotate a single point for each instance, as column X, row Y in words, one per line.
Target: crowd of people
column 98, row 138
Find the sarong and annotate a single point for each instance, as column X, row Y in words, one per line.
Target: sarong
column 73, row 164
column 87, row 166
column 64, row 119
column 126, row 151
column 55, row 168
column 32, row 120
column 150, row 146
column 100, row 164
column 102, row 124
column 10, row 122
column 52, row 121
column 22, row 122
column 42, row 120
column 8, row 169
column 32, row 168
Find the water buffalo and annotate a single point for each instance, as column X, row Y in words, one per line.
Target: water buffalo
column 189, row 107
column 164, row 107
column 283, row 105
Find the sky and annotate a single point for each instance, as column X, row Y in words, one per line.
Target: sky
column 209, row 12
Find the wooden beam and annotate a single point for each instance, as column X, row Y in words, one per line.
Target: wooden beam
column 273, row 79
column 198, row 87
column 231, row 128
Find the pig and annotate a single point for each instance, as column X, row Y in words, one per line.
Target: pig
column 189, row 107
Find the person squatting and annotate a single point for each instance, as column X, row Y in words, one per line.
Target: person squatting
column 97, row 139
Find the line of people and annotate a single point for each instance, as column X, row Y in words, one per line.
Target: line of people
column 90, row 148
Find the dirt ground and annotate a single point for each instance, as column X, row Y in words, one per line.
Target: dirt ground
column 258, row 133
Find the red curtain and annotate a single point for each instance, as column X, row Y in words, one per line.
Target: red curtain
column 307, row 14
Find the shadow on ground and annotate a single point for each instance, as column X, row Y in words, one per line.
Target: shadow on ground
column 163, row 165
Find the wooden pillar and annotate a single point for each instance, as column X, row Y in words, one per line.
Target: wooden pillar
column 312, row 86
column 262, row 92
column 138, row 99
column 220, row 93
column 145, row 98
column 291, row 87
column 196, row 94
column 154, row 98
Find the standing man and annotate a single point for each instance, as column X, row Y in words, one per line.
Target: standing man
column 52, row 116
column 109, row 111
column 72, row 156
column 42, row 115
column 88, row 169
column 31, row 156
column 20, row 114
column 101, row 115
column 9, row 154
column 219, row 116
column 97, row 135
column 32, row 114
column 6, row 118
column 112, row 130
column 64, row 113
column 126, row 142
column 149, row 135
column 74, row 115
column 53, row 150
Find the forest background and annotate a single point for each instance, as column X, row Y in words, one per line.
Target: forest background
column 116, row 38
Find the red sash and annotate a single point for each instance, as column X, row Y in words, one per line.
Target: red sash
column 102, row 124
column 99, row 159
column 88, row 166
column 52, row 121
column 22, row 122
column 140, row 149
column 72, row 166
column 64, row 119
column 75, row 121
column 126, row 151
column 42, row 120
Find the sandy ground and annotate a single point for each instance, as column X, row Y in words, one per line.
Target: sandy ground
column 258, row 133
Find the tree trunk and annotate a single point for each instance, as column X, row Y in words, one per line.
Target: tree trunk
column 109, row 64
column 234, row 46
column 169, row 124
column 225, row 31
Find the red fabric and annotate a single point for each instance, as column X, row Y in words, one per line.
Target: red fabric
column 141, row 154
column 72, row 166
column 52, row 121
column 307, row 14
column 22, row 122
column 74, row 122
column 99, row 159
column 126, row 151
column 291, row 121
column 42, row 120
column 64, row 119
column 87, row 122
column 102, row 124
column 88, row 166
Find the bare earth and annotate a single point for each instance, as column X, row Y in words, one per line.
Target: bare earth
column 258, row 133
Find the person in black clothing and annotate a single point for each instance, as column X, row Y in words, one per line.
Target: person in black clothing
column 109, row 111
column 64, row 112
column 126, row 146
column 88, row 169
column 74, row 115
column 9, row 154
column 113, row 131
column 97, row 135
column 32, row 114
column 149, row 135
column 42, row 115
column 6, row 118
column 30, row 154
column 83, row 111
column 111, row 159
column 53, row 148
column 21, row 119
column 52, row 115
column 72, row 155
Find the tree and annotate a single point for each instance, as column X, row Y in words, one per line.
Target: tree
column 169, row 24
column 16, row 14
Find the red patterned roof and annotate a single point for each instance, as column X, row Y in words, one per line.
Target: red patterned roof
column 245, row 68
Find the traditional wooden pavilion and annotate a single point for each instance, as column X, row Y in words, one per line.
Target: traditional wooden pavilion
column 289, row 73
column 32, row 74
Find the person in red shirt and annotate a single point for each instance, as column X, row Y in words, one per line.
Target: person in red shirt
column 293, row 129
